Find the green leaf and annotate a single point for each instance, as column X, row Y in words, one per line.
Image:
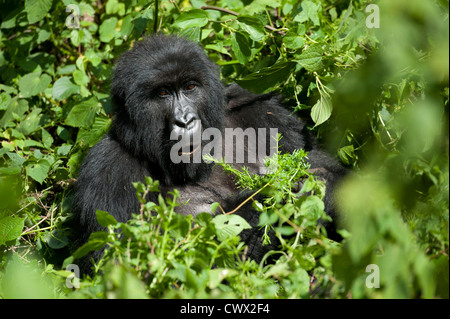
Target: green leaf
column 30, row 123
column 4, row 101
column 80, row 77
column 114, row 6
column 37, row 9
column 346, row 153
column 240, row 45
column 108, row 29
column 105, row 219
column 321, row 111
column 38, row 171
column 267, row 78
column 256, row 6
column 310, row 11
column 96, row 241
column 63, row 88
column 193, row 18
column 83, row 113
column 312, row 208
column 10, row 228
column 293, row 41
column 95, row 133
column 9, row 21
column 228, row 226
column 253, row 26
column 285, row 230
column 311, row 58
column 56, row 239
column 47, row 138
column 33, row 83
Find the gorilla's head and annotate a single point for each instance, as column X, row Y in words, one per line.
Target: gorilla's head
column 166, row 85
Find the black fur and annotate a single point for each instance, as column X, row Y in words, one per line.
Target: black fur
column 138, row 143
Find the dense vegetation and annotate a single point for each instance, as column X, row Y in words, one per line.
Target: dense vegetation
column 373, row 80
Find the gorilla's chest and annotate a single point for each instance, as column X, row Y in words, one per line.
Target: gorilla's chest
column 196, row 198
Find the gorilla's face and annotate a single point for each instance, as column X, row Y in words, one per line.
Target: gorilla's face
column 166, row 86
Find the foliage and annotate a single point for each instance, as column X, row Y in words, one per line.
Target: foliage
column 377, row 96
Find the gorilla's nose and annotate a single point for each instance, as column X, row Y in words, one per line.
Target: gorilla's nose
column 185, row 120
column 187, row 124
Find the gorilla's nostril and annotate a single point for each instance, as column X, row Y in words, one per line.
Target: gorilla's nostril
column 184, row 121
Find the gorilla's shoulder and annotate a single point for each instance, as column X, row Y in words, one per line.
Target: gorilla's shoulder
column 237, row 97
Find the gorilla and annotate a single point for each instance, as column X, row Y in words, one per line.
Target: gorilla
column 166, row 85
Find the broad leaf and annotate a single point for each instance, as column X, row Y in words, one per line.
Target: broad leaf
column 193, row 18
column 83, row 113
column 38, row 171
column 267, row 78
column 321, row 111
column 253, row 26
column 37, row 9
column 228, row 226
column 10, row 228
column 63, row 88
column 108, row 29
column 33, row 83
column 311, row 58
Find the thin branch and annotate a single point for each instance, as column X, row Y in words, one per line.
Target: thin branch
column 245, row 201
column 220, row 9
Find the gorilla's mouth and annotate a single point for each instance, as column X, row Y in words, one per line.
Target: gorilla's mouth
column 192, row 149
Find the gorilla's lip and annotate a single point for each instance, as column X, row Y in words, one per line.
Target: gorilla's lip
column 192, row 150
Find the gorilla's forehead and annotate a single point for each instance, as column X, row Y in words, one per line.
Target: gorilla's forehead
column 175, row 70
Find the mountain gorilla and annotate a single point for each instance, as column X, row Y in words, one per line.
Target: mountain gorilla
column 166, row 84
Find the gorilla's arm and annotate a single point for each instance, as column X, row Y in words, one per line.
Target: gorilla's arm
column 105, row 183
column 246, row 109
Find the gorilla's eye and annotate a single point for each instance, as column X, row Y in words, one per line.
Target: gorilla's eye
column 163, row 93
column 190, row 86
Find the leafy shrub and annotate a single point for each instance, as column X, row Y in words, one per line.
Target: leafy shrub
column 377, row 96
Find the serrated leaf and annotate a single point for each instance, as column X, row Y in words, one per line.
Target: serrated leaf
column 253, row 26
column 37, row 9
column 311, row 58
column 10, row 228
column 228, row 226
column 312, row 207
column 83, row 113
column 321, row 111
column 38, row 171
column 310, row 11
column 63, row 88
column 293, row 41
column 346, row 153
column 193, row 18
column 95, row 133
